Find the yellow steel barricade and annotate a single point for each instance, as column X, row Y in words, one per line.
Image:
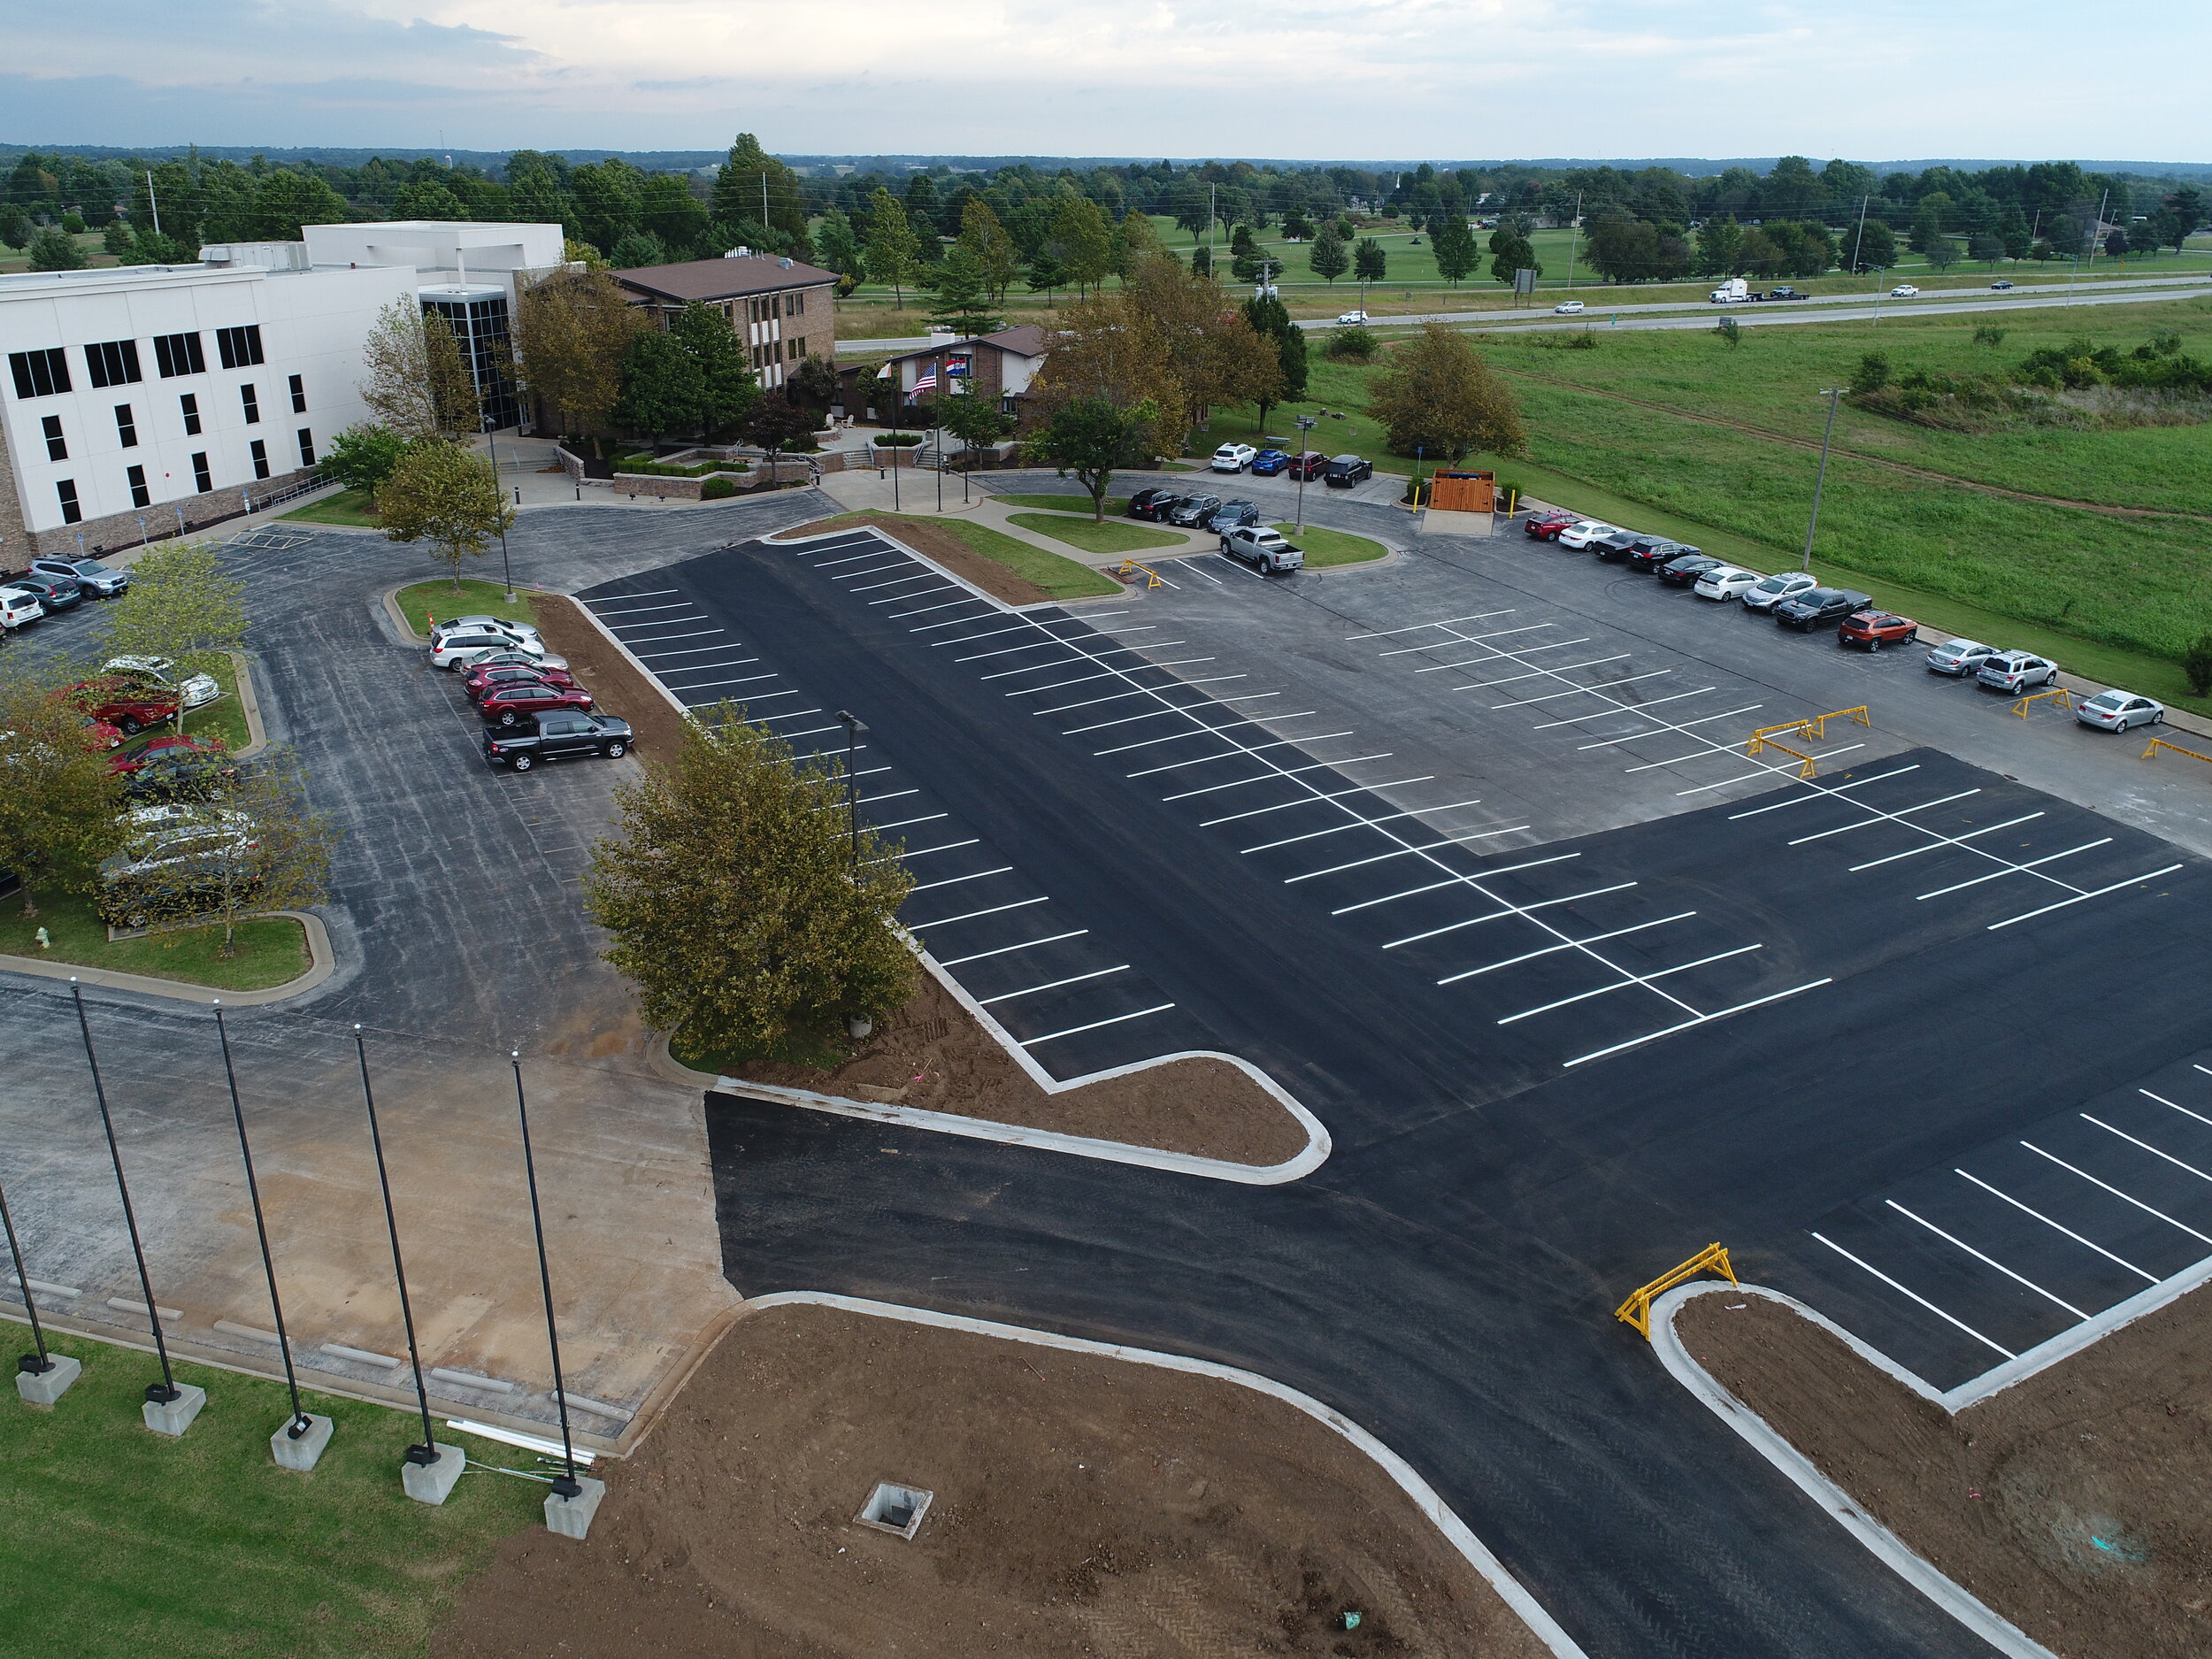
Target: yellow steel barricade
column 2057, row 695
column 1813, row 726
column 1760, row 742
column 1637, row 1309
column 1129, row 569
column 2158, row 743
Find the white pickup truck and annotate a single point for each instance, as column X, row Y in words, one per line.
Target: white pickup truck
column 1264, row 549
column 1731, row 291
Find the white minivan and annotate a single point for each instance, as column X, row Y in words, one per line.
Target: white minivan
column 17, row 606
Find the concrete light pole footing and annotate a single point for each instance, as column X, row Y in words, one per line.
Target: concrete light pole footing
column 433, row 1483
column 172, row 1418
column 300, row 1453
column 571, row 1517
column 44, row 1388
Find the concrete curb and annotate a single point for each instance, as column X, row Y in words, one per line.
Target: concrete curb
column 1885, row 1545
column 257, row 735
column 1529, row 1611
column 323, row 961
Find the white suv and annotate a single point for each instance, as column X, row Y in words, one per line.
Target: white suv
column 1770, row 591
column 1234, row 457
column 1728, row 582
column 455, row 648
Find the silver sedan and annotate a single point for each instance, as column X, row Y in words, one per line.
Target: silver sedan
column 2118, row 710
column 1960, row 657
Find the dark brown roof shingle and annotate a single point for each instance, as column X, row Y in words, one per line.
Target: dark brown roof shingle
column 717, row 279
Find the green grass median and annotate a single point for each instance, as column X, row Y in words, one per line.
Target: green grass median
column 347, row 507
column 1323, row 548
column 439, row 599
column 1116, row 506
column 1114, row 536
column 271, row 950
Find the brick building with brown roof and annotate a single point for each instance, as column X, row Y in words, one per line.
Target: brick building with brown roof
column 784, row 311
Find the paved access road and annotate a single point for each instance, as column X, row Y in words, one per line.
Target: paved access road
column 1550, row 1071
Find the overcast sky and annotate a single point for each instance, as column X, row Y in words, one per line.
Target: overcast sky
column 1876, row 81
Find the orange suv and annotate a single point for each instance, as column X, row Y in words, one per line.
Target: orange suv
column 1874, row 629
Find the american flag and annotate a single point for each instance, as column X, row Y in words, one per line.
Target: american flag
column 926, row 382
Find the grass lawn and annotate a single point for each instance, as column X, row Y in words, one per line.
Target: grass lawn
column 1060, row 578
column 1116, row 506
column 129, row 1542
column 1115, row 536
column 348, row 506
column 437, row 598
column 271, row 950
column 1324, row 546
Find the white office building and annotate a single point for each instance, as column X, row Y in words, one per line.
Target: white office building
column 143, row 401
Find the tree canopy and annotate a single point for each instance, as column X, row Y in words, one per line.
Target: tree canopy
column 1438, row 394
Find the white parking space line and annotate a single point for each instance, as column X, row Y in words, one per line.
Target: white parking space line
column 1289, row 772
column 2183, row 1110
column 1256, row 697
column 1415, row 627
column 923, row 852
column 953, row 881
column 1567, row 944
column 926, row 817
column 969, row 915
column 1431, row 847
column 949, row 604
column 1587, row 691
column 1007, row 951
column 2057, row 1226
column 900, row 564
column 1492, row 654
column 1511, row 909
column 1222, row 731
column 1635, row 737
column 1146, row 691
column 1930, row 847
column 1096, row 1025
column 1637, row 710
column 840, row 802
column 2029, row 915
column 1031, row 691
column 2116, row 1193
column 1367, row 823
column 1695, row 1020
column 651, row 593
column 1313, row 800
column 1538, row 674
column 743, row 679
column 2147, row 1146
column 1678, row 760
column 1821, row 794
column 2012, row 868
column 1844, row 829
column 1008, row 650
column 1988, row 1260
column 1641, row 979
column 1052, row 984
column 1741, row 777
column 876, row 552
column 898, row 581
column 1432, row 887
column 1948, row 1318
column 696, row 634
column 689, row 650
column 970, row 639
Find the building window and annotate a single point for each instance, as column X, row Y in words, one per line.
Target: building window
column 239, row 348
column 71, row 513
column 179, row 354
column 57, row 446
column 125, row 427
column 260, row 458
column 307, row 447
column 250, row 401
column 201, row 481
column 190, row 404
column 795, row 306
column 40, row 374
column 112, row 362
column 299, row 395
column 141, row 497
column 795, row 349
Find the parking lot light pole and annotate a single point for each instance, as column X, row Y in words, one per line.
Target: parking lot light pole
column 491, row 442
column 1305, row 430
column 298, row 1425
column 564, row 1485
column 854, row 728
column 427, row 1453
column 33, row 1365
column 1834, row 395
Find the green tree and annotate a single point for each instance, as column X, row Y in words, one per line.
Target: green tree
column 995, row 254
column 418, row 384
column 737, row 193
column 59, row 804
column 1367, row 262
column 728, row 389
column 1327, row 258
column 736, row 902
column 837, row 245
column 183, row 605
column 1871, row 376
column 285, row 201
column 1269, row 316
column 283, row 864
column 15, row 226
column 1719, row 248
column 1730, row 330
column 893, row 250
column 663, row 387
column 1927, row 226
column 426, row 198
column 637, row 251
column 361, row 457
column 1439, row 394
column 2196, row 665
column 973, row 420
column 1456, row 255
column 1082, row 241
column 963, row 299
column 1987, row 248
column 448, row 496
column 50, row 250
column 777, row 423
column 1512, row 251
column 1874, row 246
column 1093, row 438
column 571, row 330
column 1943, row 253
column 667, row 208
column 116, row 237
column 606, row 195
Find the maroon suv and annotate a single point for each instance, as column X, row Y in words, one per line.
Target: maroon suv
column 481, row 680
column 506, row 705
column 1306, row 464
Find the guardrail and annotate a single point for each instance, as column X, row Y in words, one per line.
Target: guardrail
column 1713, row 1259
column 2158, row 743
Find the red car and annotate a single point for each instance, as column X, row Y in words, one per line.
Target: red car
column 1308, row 463
column 126, row 702
column 1874, row 629
column 506, row 705
column 1546, row 527
column 166, row 749
column 480, row 681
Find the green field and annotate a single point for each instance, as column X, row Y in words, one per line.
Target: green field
column 1061, row 578
column 1323, row 548
column 347, row 507
column 1114, row 535
column 125, row 1542
column 437, row 598
column 1677, row 432
column 270, row 951
column 1116, row 506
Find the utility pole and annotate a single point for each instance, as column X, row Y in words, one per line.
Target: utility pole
column 1834, row 395
column 1572, row 241
column 151, row 203
column 2093, row 229
column 1858, row 242
column 1305, row 429
column 1209, row 230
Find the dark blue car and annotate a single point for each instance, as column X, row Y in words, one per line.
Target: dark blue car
column 1267, row 463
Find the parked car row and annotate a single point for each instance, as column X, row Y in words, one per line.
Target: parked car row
column 51, row 586
column 1339, row 471
column 533, row 707
column 1192, row 512
column 1797, row 599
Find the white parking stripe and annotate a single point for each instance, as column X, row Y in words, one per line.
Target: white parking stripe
column 1641, row 979
column 1052, row 984
column 874, row 552
column 1076, row 1031
column 1989, row 1260
column 1313, row 800
column 1003, row 951
column 1432, row 887
column 1930, row 847
column 2183, row 1110
column 1696, row 1019
column 1415, row 627
column 2116, row 1193
column 1370, row 823
column 1538, row 674
column 1222, row 731
column 953, row 881
column 1008, row 650
column 926, row 817
column 2057, row 1226
column 1637, row 710
column 1741, row 777
column 923, row 852
column 947, row 921
column 1635, row 737
column 1255, row 696
column 1436, row 846
column 2029, row 915
column 745, row 679
column 1031, row 691
column 900, row 581
column 1495, row 654
column 2011, row 869
column 1584, row 691
column 949, row 604
column 1568, row 944
column 1511, row 910
column 696, row 634
column 922, row 592
column 688, row 650
column 1289, row 772
column 1823, row 794
column 1146, row 691
column 1917, row 1297
column 2147, row 1146
column 651, row 593
column 1844, row 829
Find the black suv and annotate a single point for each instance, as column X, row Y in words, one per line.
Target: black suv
column 1655, row 552
column 1816, row 605
column 1149, row 504
column 1346, row 471
column 1193, row 510
column 557, row 735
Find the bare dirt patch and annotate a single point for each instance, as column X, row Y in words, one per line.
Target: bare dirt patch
column 933, row 1055
column 941, row 545
column 617, row 686
column 1082, row 1505
column 2075, row 1503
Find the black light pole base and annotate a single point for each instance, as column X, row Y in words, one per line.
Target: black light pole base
column 422, row 1456
column 567, row 1487
column 162, row 1394
column 34, row 1364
